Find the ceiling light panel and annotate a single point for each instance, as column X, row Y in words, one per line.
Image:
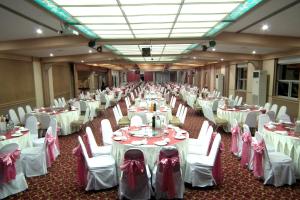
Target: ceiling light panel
column 208, row 8
column 151, row 10
column 182, row 35
column 149, row 36
column 108, row 27
column 94, row 11
column 113, row 32
column 152, row 26
column 110, row 36
column 150, row 1
column 212, row 1
column 85, row 2
column 200, row 18
column 151, row 19
column 102, row 20
column 191, row 30
column 195, row 24
column 149, row 31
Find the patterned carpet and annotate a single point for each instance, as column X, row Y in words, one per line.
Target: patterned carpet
column 239, row 183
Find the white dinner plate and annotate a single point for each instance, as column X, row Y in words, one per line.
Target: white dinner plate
column 118, row 138
column 160, row 143
column 16, row 134
column 180, row 137
column 136, row 143
column 2, row 137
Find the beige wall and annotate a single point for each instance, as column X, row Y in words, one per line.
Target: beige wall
column 62, row 80
column 17, row 84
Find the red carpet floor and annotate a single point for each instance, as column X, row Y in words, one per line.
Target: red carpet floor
column 239, row 183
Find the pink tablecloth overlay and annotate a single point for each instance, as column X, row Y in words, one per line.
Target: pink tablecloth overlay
column 281, row 127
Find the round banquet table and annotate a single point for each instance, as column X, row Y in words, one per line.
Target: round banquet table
column 24, row 140
column 284, row 140
column 64, row 118
column 93, row 105
column 146, row 115
column 150, row 150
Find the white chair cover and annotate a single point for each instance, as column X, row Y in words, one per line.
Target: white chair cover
column 179, row 110
column 267, row 106
column 274, row 108
column 32, row 125
column 199, row 167
column 95, row 149
column 201, row 135
column 202, row 148
column 240, row 101
column 107, row 132
column 28, row 109
column 18, row 184
column 101, row 170
column 136, row 120
column 140, row 188
column 13, row 116
column 282, row 110
column 284, row 117
column 183, row 115
column 21, row 112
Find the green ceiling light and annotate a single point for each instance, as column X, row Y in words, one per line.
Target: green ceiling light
column 234, row 15
column 65, row 16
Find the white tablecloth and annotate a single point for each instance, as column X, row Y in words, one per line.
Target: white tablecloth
column 146, row 115
column 65, row 120
column 23, row 141
column 286, row 144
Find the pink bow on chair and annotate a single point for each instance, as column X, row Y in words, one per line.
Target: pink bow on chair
column 8, row 166
column 50, row 145
column 247, row 140
column 81, row 168
column 258, row 158
column 132, row 168
column 167, row 165
column 235, row 131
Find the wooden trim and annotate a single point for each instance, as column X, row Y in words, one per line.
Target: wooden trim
column 15, row 57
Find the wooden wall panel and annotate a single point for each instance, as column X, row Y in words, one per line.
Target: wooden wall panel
column 17, row 84
column 62, row 80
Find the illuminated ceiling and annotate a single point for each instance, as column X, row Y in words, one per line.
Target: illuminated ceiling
column 149, row 19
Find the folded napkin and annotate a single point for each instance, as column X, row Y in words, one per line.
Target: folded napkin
column 2, row 137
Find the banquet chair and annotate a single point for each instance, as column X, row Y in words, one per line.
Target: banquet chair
column 120, row 121
column 230, row 97
column 240, row 101
column 278, row 168
column 218, row 122
column 236, row 139
column 134, row 184
column 44, row 119
column 167, row 179
column 28, row 109
column 64, row 101
column 247, row 148
column 284, row 117
column 203, row 147
column 132, row 97
column 83, row 106
column 79, row 124
column 95, row 149
column 136, row 120
column 13, row 117
column 201, row 135
column 173, row 103
column 262, row 120
column 199, row 168
column 176, row 119
column 101, row 170
column 76, row 104
column 127, row 102
column 282, row 110
column 251, row 120
column 21, row 113
column 60, row 103
column 183, row 116
column 267, row 106
column 56, row 103
column 34, row 160
column 271, row 115
column 124, row 120
column 107, row 132
column 236, row 100
column 12, row 179
column 32, row 124
column 274, row 108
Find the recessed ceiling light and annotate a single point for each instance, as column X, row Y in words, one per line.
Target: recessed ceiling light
column 75, row 32
column 39, row 31
column 222, row 59
column 51, row 54
column 253, row 52
column 90, row 51
column 265, row 27
column 82, row 61
column 213, row 49
column 194, row 57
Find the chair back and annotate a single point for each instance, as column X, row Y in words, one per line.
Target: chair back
column 178, row 110
column 230, row 97
column 203, row 130
column 53, row 125
column 267, row 106
column 183, row 115
column 136, row 120
column 240, row 101
column 116, row 114
column 86, row 115
column 282, row 110
column 236, row 100
column 76, row 104
column 174, row 102
column 214, row 149
column 28, row 109
column 44, row 119
column 274, row 108
column 13, row 116
column 91, row 138
column 31, row 124
column 210, row 114
column 21, row 112
column 262, row 120
column 207, row 139
column 284, row 117
column 83, row 148
column 83, row 105
column 246, row 129
column 107, row 132
column 119, row 110
column 251, row 119
column 271, row 115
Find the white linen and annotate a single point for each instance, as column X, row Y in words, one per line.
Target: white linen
column 23, row 141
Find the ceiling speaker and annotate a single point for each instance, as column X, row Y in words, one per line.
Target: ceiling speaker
column 146, row 52
column 92, row 43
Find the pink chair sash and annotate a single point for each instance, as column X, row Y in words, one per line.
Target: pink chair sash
column 8, row 166
column 81, row 168
column 258, row 158
column 217, row 171
column 247, row 140
column 235, row 131
column 50, row 146
column 132, row 168
column 167, row 165
column 87, row 145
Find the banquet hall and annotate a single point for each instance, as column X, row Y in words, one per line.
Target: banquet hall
column 149, row 99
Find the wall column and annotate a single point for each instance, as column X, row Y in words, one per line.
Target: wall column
column 38, row 83
column 48, row 85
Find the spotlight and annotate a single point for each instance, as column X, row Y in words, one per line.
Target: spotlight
column 212, row 43
column 99, row 49
column 204, row 48
column 92, row 43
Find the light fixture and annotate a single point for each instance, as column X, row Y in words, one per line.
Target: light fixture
column 253, row 52
column 51, row 55
column 90, row 51
column 82, row 61
column 194, row 57
column 265, row 27
column 222, row 59
column 213, row 49
column 75, row 32
column 39, row 31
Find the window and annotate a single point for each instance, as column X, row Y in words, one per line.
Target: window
column 288, row 80
column 241, row 77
